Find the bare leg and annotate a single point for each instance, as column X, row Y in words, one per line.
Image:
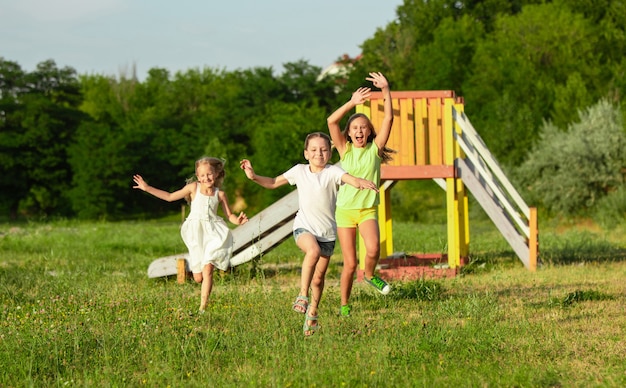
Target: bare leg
column 308, row 244
column 207, row 285
column 317, row 289
column 371, row 236
column 317, row 284
column 347, row 240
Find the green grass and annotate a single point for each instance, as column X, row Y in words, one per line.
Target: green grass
column 77, row 309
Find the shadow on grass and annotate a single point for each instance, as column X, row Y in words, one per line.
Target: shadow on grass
column 567, row 252
column 419, row 290
column 600, row 252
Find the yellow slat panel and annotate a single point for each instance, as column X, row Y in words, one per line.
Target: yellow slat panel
column 407, row 129
column 421, row 131
column 435, row 141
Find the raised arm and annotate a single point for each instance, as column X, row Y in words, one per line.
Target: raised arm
column 162, row 194
column 359, row 183
column 267, row 182
column 230, row 216
column 339, row 140
column 379, row 80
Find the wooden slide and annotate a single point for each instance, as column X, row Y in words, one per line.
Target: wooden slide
column 259, row 235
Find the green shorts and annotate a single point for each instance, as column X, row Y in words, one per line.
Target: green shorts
column 351, row 218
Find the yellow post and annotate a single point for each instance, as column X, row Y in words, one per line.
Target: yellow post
column 533, row 241
column 181, row 271
column 464, row 235
column 384, row 227
column 452, row 189
column 385, row 222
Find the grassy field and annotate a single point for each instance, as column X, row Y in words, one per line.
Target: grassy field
column 77, row 309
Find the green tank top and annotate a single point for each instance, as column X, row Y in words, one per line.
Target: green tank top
column 362, row 163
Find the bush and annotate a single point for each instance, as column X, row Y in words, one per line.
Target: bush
column 570, row 171
column 611, row 210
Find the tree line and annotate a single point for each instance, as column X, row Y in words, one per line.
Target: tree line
column 529, row 71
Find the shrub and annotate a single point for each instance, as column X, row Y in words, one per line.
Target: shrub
column 570, row 171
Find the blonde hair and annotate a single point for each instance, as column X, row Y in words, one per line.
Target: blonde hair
column 216, row 164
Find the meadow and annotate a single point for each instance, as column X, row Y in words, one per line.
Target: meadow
column 78, row 310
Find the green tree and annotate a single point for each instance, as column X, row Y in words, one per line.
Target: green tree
column 518, row 70
column 278, row 144
column 13, row 181
column 40, row 117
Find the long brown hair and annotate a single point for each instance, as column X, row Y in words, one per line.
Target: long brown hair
column 385, row 152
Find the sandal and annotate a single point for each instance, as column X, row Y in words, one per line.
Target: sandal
column 309, row 330
column 301, row 304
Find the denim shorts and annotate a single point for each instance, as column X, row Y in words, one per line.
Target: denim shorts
column 326, row 247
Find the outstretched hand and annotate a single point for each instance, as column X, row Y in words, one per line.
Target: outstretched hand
column 246, row 166
column 360, row 95
column 140, row 183
column 364, row 184
column 378, row 79
column 242, row 218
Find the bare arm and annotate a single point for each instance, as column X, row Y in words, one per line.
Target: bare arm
column 379, row 80
column 358, row 182
column 267, row 182
column 232, row 217
column 339, row 140
column 162, row 194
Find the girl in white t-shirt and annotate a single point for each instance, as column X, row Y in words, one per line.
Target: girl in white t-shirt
column 314, row 227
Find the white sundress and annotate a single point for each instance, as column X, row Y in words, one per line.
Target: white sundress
column 206, row 235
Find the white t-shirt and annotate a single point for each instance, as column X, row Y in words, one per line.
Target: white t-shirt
column 317, row 197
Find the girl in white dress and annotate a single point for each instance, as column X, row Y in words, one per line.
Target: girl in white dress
column 205, row 234
column 314, row 227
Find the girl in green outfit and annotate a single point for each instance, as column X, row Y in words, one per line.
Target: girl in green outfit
column 361, row 151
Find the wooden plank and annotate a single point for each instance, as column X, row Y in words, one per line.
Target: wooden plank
column 416, row 94
column 472, row 136
column 263, row 245
column 170, row 265
column 476, row 162
column 397, row 133
column 421, row 131
column 166, row 266
column 495, row 212
column 533, row 241
column 435, row 141
column 272, row 216
column 181, row 269
column 273, row 220
column 406, row 124
column 416, row 172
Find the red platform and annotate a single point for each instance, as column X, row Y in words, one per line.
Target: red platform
column 414, row 267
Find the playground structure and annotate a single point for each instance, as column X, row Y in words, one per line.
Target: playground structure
column 435, row 140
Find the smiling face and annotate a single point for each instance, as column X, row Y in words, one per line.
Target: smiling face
column 318, row 152
column 210, row 172
column 206, row 175
column 359, row 130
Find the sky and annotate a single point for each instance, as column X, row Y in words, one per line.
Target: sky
column 110, row 37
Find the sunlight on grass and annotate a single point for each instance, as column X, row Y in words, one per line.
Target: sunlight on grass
column 79, row 310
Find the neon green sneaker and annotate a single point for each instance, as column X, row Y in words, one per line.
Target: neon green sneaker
column 379, row 284
column 344, row 311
